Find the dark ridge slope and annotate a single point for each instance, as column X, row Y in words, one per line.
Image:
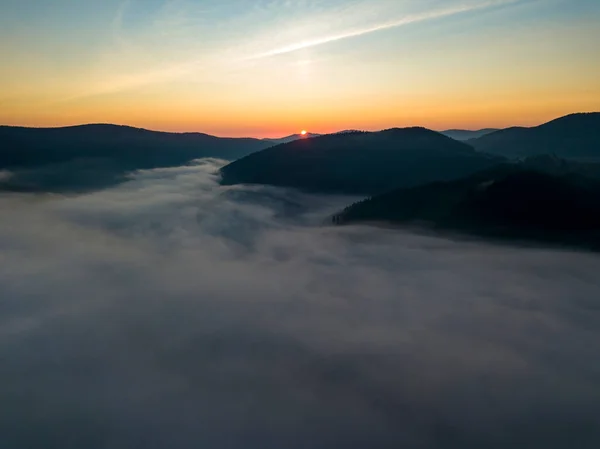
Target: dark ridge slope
column 573, row 136
column 291, row 138
column 131, row 147
column 508, row 202
column 359, row 162
column 463, row 134
column 92, row 156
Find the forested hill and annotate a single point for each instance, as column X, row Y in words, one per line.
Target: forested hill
column 359, row 162
column 575, row 136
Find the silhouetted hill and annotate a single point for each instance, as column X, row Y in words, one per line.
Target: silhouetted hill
column 132, row 147
column 359, row 162
column 510, row 201
column 572, row 136
column 89, row 156
column 291, row 138
column 464, row 134
column 553, row 165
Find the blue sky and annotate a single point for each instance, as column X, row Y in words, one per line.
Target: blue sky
column 73, row 61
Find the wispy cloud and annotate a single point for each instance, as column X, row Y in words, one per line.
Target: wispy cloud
column 184, row 48
column 117, row 23
column 406, row 20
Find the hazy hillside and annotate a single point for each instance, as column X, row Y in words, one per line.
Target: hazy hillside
column 95, row 155
column 132, row 147
column 359, row 162
column 508, row 201
column 572, row 136
column 291, row 138
column 464, row 134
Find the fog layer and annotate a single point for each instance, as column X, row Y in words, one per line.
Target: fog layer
column 173, row 313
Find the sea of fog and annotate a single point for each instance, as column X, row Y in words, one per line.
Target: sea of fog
column 171, row 313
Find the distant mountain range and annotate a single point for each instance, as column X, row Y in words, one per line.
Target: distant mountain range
column 92, row 156
column 463, row 134
column 291, row 138
column 353, row 162
column 543, row 200
column 132, row 147
column 294, row 137
column 359, row 162
column 574, row 136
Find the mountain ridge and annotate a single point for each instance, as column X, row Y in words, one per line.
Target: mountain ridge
column 465, row 134
column 291, row 138
column 542, row 200
column 358, row 162
column 571, row 136
column 93, row 155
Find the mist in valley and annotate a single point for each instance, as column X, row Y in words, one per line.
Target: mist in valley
column 171, row 312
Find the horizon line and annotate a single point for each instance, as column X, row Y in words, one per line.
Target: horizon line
column 293, row 134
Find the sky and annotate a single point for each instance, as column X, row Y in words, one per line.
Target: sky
column 269, row 68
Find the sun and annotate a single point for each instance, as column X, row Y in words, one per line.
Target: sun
column 304, row 133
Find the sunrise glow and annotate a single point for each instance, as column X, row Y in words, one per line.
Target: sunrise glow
column 243, row 224
column 180, row 66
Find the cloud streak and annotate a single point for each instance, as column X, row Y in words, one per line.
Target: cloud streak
column 396, row 23
column 215, row 63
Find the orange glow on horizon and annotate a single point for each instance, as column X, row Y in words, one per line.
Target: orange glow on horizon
column 261, row 78
column 462, row 110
